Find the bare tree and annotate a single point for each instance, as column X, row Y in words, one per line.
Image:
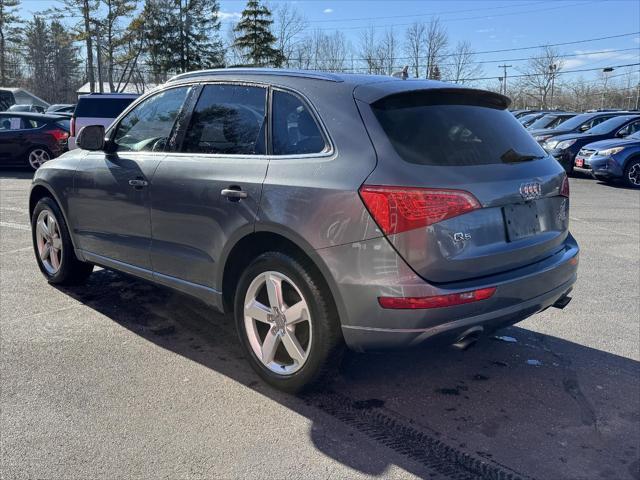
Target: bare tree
column 437, row 41
column 541, row 73
column 330, row 51
column 414, row 45
column 387, row 52
column 368, row 50
column 462, row 66
column 288, row 25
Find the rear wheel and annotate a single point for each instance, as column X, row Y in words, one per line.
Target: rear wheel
column 53, row 247
column 37, row 157
column 632, row 174
column 287, row 323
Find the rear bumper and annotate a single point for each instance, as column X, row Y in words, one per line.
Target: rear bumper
column 364, row 271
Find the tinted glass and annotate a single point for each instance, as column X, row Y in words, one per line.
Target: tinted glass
column 148, row 126
column 101, row 107
column 607, row 125
column 227, row 119
column 630, row 129
column 64, row 124
column 11, row 123
column 6, row 99
column 576, row 121
column 453, row 129
column 295, row 132
column 29, row 123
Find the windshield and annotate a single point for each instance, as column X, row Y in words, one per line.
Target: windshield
column 453, row 129
column 575, row 122
column 609, row 125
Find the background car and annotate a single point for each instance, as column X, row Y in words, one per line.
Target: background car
column 550, row 120
column 26, row 108
column 61, row 108
column 97, row 109
column 564, row 148
column 30, row 139
column 578, row 124
column 614, row 159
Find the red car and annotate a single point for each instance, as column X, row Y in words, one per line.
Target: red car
column 30, row 139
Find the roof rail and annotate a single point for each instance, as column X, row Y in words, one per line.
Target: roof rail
column 276, row 72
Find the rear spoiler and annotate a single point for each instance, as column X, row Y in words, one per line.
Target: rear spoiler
column 372, row 92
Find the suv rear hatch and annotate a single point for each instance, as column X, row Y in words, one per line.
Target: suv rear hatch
column 461, row 189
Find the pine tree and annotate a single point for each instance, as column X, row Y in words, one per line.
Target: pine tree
column 199, row 45
column 64, row 63
column 255, row 37
column 9, row 35
column 36, row 35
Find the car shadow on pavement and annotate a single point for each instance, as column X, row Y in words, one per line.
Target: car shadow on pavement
column 521, row 403
column 16, row 173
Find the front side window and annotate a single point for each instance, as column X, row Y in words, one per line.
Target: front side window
column 229, row 120
column 11, row 123
column 295, row 132
column 148, row 126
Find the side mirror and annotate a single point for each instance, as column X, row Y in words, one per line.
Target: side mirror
column 91, row 137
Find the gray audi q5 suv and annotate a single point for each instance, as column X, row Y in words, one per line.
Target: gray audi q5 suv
column 323, row 210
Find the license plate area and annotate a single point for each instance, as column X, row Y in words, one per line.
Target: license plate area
column 579, row 162
column 522, row 220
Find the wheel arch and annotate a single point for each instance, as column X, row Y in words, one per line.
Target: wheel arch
column 38, row 192
column 263, row 239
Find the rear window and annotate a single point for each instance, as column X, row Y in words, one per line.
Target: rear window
column 452, row 129
column 64, row 124
column 101, row 107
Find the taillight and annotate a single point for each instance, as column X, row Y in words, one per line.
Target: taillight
column 59, row 135
column 437, row 301
column 564, row 189
column 398, row 209
column 72, row 127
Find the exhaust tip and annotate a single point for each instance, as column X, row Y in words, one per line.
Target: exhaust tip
column 468, row 337
column 562, row 302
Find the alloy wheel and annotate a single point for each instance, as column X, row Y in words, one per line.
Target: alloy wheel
column 37, row 157
column 277, row 323
column 634, row 174
column 49, row 242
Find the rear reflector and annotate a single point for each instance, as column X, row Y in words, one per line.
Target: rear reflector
column 436, row 301
column 564, row 189
column 72, row 127
column 398, row 209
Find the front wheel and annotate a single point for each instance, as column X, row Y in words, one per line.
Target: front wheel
column 287, row 322
column 53, row 247
column 632, row 174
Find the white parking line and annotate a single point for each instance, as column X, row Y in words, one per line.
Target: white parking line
column 591, row 224
column 17, row 226
column 15, row 209
column 23, row 249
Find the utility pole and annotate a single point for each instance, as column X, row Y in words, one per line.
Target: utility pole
column 638, row 96
column 504, row 77
column 552, row 70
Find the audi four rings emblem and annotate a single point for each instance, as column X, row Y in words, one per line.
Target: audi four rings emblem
column 531, row 190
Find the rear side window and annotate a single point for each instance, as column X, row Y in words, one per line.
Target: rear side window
column 11, row 123
column 101, row 107
column 228, row 119
column 30, row 123
column 295, row 132
column 452, row 129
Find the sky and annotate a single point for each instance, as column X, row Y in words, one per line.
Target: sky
column 487, row 25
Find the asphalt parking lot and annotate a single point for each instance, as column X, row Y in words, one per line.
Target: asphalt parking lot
column 122, row 379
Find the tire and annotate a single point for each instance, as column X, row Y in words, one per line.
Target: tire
column 60, row 266
column 632, row 173
column 318, row 347
column 37, row 156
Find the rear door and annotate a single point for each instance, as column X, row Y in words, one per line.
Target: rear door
column 207, row 191
column 110, row 206
column 12, row 151
column 461, row 189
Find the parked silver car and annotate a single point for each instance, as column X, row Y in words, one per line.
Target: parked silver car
column 323, row 210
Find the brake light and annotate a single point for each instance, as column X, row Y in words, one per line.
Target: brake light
column 60, row 135
column 437, row 301
column 564, row 189
column 72, row 127
column 398, row 209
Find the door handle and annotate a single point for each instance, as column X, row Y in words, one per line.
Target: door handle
column 138, row 183
column 233, row 193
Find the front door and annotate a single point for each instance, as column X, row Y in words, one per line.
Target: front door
column 208, row 191
column 111, row 201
